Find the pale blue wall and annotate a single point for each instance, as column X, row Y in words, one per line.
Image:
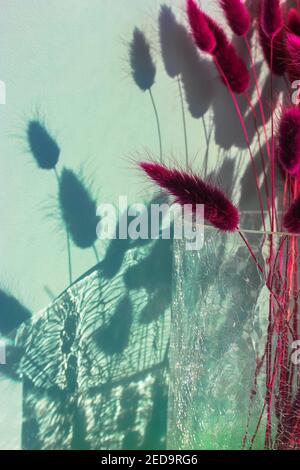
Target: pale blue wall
column 68, row 60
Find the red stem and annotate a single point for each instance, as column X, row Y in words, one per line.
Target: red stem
column 260, row 152
column 253, row 68
column 246, row 137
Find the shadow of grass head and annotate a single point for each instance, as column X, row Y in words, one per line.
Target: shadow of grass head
column 142, row 66
column 113, row 338
column 43, row 147
column 12, row 313
column 78, row 209
column 169, row 41
column 13, row 356
column 181, row 59
column 154, row 271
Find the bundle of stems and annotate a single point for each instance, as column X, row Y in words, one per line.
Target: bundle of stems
column 276, row 27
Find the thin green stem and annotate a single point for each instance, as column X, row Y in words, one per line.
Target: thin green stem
column 205, row 130
column 158, row 125
column 207, row 139
column 69, row 256
column 49, row 293
column 96, row 253
column 253, row 67
column 68, row 239
column 56, row 175
column 184, row 123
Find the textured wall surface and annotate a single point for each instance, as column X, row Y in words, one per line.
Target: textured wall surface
column 66, row 62
column 95, row 363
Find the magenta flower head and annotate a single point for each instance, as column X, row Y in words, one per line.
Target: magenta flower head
column 293, row 51
column 200, row 30
column 294, row 21
column 289, row 140
column 234, row 69
column 237, row 16
column 231, row 64
column 292, row 217
column 279, row 62
column 188, row 188
column 271, row 17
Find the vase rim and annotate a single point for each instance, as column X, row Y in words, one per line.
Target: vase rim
column 255, row 231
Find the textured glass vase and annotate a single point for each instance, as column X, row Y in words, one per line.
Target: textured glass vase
column 219, row 331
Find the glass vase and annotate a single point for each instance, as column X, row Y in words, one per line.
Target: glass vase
column 233, row 372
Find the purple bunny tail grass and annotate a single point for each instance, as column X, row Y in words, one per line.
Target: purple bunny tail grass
column 188, row 188
column 293, row 51
column 270, row 21
column 202, row 34
column 289, row 141
column 271, row 18
column 291, row 219
column 278, row 60
column 293, row 21
column 237, row 16
column 235, row 76
column 219, row 34
column 232, row 68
